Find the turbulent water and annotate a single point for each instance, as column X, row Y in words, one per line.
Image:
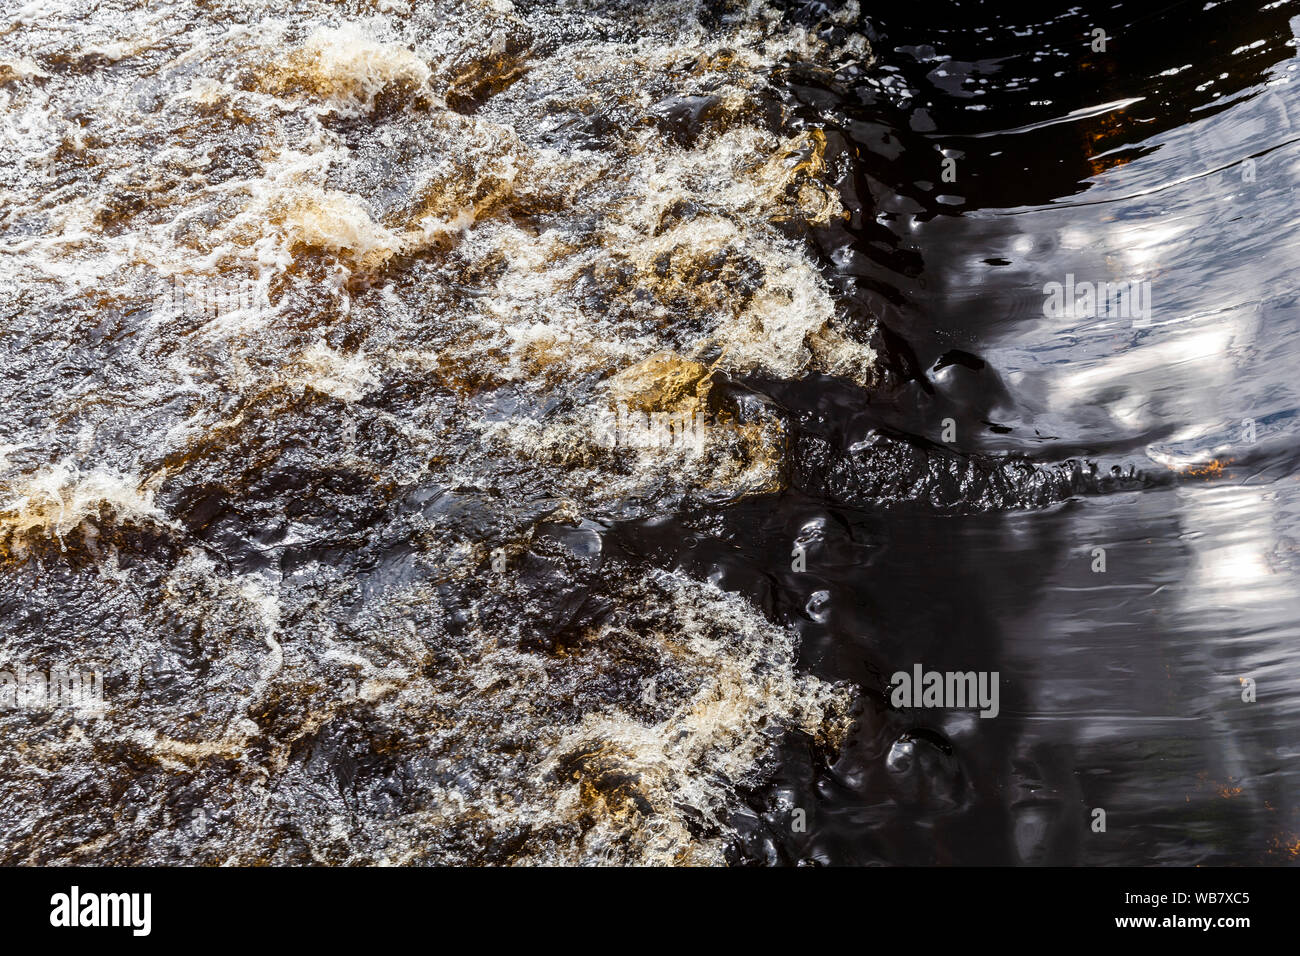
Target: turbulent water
column 489, row 432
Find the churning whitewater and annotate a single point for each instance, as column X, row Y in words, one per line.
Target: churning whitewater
column 317, row 326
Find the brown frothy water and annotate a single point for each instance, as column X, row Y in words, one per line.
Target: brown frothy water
column 313, row 326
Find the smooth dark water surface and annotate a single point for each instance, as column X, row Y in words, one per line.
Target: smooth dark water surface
column 1120, row 690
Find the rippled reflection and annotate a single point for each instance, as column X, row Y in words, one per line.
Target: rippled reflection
column 1123, row 689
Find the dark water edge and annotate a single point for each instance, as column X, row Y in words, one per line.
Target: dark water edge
column 1120, row 690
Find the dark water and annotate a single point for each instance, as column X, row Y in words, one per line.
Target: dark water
column 365, row 590
column 1121, row 690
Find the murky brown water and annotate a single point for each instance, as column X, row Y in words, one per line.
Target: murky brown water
column 313, row 326
column 411, row 410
